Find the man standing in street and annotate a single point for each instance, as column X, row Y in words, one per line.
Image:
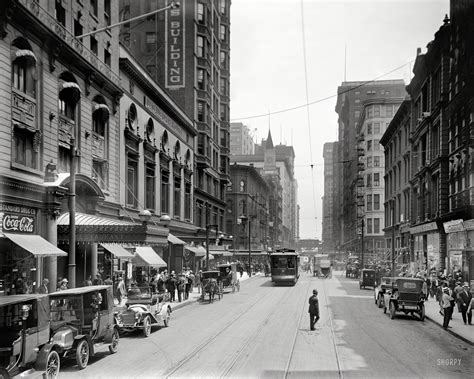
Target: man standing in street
column 447, row 307
column 464, row 299
column 313, row 309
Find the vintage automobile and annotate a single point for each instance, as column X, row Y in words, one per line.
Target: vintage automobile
column 367, row 278
column 82, row 322
column 143, row 309
column 386, row 283
column 25, row 348
column 405, row 296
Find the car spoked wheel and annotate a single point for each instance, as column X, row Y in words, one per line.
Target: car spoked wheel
column 113, row 347
column 52, row 365
column 166, row 321
column 146, row 326
column 422, row 312
column 82, row 354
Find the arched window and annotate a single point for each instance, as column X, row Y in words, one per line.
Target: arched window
column 23, row 67
column 177, row 150
column 164, row 141
column 26, row 130
column 100, row 116
column 69, row 95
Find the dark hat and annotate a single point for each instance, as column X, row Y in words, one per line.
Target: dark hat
column 315, row 292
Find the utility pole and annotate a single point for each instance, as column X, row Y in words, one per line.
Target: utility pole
column 72, row 215
column 362, row 243
column 393, row 236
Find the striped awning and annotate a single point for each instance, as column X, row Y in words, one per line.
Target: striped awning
column 118, row 250
column 146, row 256
column 175, row 240
column 36, row 245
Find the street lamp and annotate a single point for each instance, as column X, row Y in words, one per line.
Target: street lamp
column 209, row 226
column 248, row 220
column 165, row 221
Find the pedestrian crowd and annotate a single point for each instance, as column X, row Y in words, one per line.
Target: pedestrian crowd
column 451, row 293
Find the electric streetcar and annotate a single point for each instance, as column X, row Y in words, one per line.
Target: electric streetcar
column 284, row 266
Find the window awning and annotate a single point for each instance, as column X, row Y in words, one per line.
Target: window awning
column 192, row 249
column 175, row 240
column 117, row 250
column 36, row 245
column 146, row 256
column 200, row 251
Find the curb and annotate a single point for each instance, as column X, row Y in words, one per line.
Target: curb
column 468, row 341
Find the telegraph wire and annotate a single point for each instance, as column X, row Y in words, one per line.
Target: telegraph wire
column 308, row 115
column 324, row 98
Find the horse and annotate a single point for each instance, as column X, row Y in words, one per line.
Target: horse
column 211, row 287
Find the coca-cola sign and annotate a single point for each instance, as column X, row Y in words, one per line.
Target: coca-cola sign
column 16, row 223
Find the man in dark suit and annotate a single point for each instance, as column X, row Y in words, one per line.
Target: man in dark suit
column 464, row 299
column 313, row 309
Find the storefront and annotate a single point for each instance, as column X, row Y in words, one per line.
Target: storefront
column 146, row 264
column 460, row 233
column 24, row 251
column 426, row 255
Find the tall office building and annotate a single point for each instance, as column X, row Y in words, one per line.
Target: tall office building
column 349, row 106
column 241, row 140
column 186, row 50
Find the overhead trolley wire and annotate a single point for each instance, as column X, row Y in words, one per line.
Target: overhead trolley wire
column 308, row 113
column 324, row 98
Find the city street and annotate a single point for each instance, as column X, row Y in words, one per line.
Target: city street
column 263, row 331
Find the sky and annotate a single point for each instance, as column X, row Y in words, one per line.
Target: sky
column 289, row 53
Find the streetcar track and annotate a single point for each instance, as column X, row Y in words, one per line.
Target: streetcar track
column 205, row 343
column 251, row 338
column 295, row 337
column 333, row 334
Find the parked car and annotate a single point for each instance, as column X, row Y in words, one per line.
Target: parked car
column 405, row 296
column 367, row 278
column 82, row 322
column 142, row 310
column 386, row 283
column 25, row 347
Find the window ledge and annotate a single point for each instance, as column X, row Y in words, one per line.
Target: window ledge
column 20, row 167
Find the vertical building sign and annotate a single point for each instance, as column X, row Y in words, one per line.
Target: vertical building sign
column 175, row 47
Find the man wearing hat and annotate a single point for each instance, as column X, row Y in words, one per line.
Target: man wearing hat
column 447, row 307
column 313, row 309
column 464, row 299
column 44, row 286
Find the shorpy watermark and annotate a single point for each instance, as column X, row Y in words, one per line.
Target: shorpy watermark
column 448, row 361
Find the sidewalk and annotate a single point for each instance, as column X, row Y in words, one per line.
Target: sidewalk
column 195, row 296
column 456, row 325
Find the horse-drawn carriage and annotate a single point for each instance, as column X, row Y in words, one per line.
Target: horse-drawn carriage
column 228, row 276
column 211, row 284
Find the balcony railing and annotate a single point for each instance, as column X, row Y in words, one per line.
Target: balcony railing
column 65, row 130
column 462, row 199
column 23, row 108
column 59, row 30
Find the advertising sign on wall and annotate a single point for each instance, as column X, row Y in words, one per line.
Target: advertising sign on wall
column 175, row 47
column 17, row 219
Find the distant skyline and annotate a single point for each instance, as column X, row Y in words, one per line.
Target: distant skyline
column 358, row 40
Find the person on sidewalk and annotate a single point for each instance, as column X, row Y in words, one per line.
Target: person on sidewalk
column 120, row 290
column 447, row 307
column 313, row 309
column 44, row 286
column 464, row 300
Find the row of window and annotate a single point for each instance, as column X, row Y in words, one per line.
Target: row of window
column 372, row 226
column 373, row 161
column 372, row 202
